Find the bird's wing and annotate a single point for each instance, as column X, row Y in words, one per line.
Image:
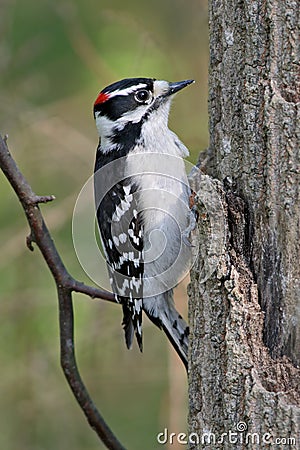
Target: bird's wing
column 123, row 245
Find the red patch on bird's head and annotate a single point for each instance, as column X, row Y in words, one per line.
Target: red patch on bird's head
column 102, row 97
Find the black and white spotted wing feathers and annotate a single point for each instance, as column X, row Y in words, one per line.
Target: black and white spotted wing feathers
column 123, row 245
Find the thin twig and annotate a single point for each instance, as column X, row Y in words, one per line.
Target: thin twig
column 65, row 284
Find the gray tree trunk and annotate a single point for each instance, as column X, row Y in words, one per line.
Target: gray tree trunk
column 245, row 291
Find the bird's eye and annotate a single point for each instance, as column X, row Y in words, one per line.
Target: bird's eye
column 142, row 96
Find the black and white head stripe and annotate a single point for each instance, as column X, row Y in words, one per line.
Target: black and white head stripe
column 128, row 85
column 125, row 96
column 118, row 98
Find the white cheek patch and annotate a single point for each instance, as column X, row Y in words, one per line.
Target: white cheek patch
column 104, row 125
column 134, row 116
column 161, row 87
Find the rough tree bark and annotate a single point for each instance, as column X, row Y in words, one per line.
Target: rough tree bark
column 244, row 295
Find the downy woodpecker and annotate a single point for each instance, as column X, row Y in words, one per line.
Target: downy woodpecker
column 142, row 204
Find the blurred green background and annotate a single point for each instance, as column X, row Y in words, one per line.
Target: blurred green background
column 55, row 56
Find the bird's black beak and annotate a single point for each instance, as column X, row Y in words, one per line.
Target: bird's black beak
column 177, row 86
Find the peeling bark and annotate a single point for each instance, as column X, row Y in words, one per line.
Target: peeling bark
column 244, row 295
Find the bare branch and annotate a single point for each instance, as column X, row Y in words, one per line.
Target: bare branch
column 65, row 284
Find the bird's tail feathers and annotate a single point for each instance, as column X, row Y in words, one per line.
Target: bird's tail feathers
column 162, row 312
column 132, row 321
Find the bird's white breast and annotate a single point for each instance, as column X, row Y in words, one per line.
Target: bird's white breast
column 158, row 169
